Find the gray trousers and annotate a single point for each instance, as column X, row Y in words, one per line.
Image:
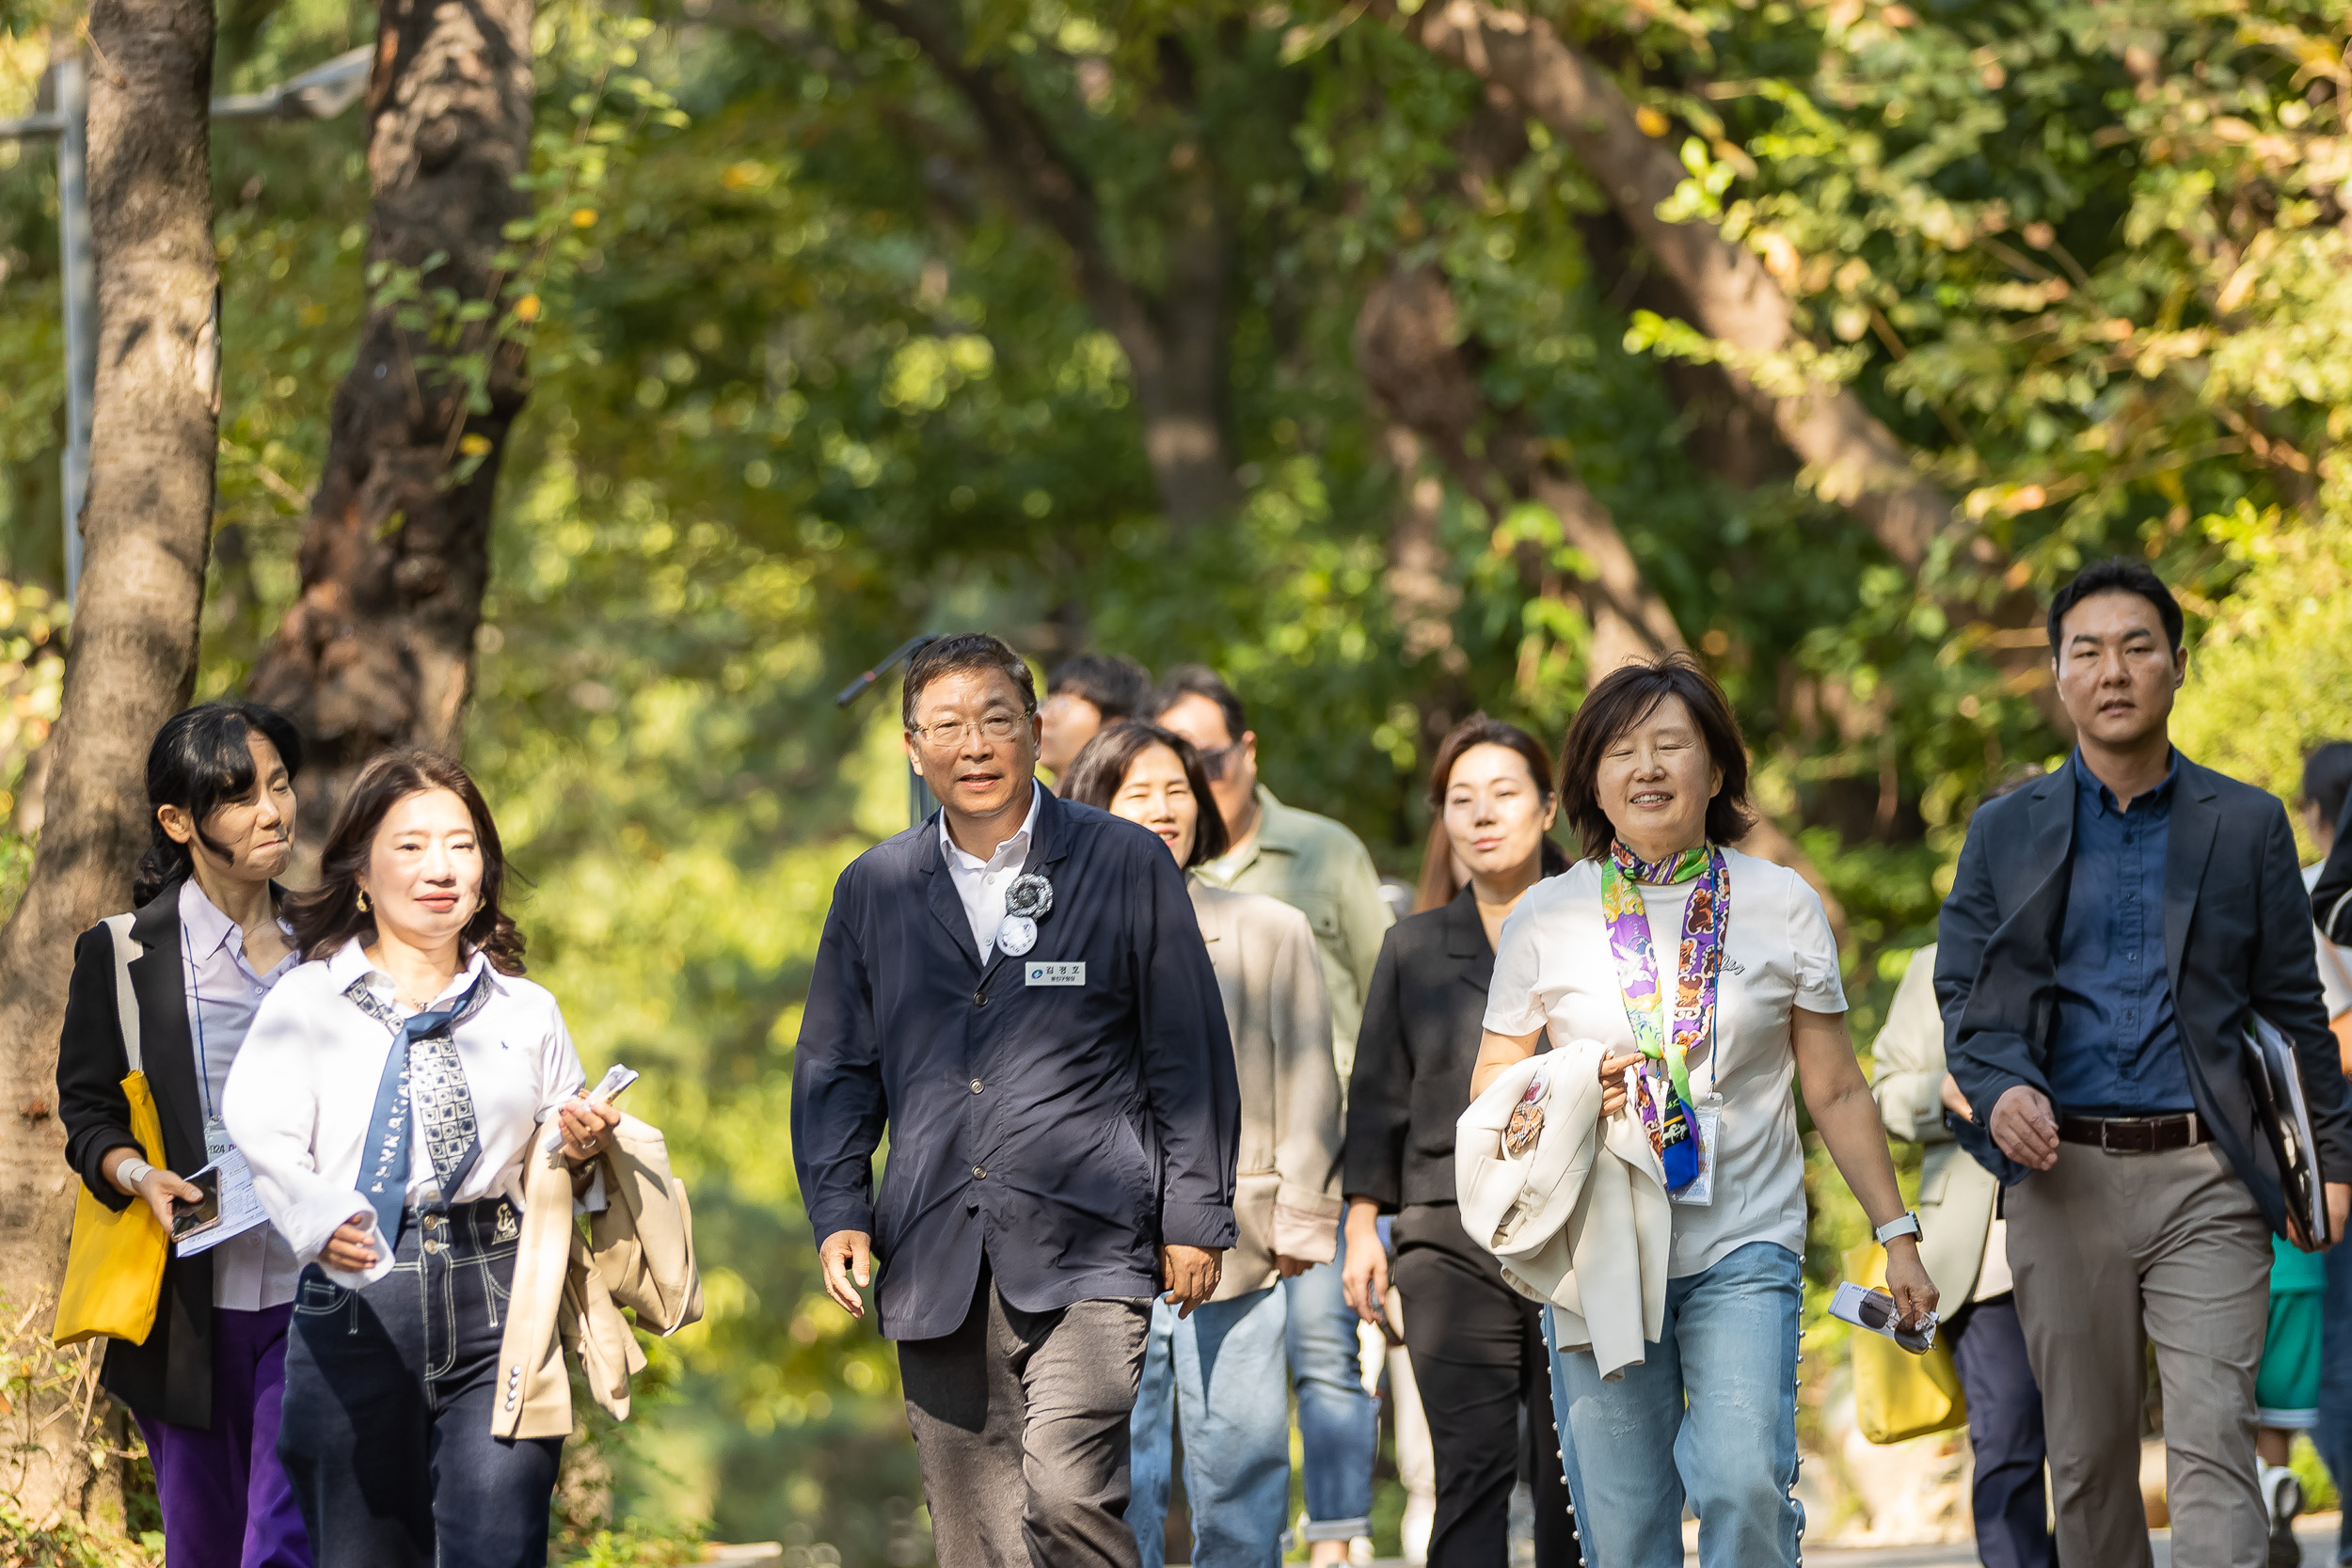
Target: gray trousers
column 2113, row 1253
column 1019, row 1425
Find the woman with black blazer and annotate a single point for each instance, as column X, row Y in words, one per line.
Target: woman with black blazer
column 1476, row 1345
column 205, row 1383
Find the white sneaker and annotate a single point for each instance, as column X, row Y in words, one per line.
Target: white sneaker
column 2283, row 1498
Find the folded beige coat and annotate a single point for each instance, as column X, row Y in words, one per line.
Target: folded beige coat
column 1580, row 1219
column 570, row 1285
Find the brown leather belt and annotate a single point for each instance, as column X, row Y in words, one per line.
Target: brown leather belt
column 2136, row 1135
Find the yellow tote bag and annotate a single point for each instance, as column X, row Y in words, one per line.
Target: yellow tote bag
column 1897, row 1395
column 114, row 1276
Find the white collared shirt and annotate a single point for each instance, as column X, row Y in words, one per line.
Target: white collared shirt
column 303, row 1093
column 982, row 883
column 223, row 994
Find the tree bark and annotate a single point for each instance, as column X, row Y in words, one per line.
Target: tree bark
column 378, row 649
column 131, row 659
column 1853, row 458
column 1175, row 341
column 1408, row 351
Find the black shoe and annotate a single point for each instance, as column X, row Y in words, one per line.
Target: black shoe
column 2283, row 1495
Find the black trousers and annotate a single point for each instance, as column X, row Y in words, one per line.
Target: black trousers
column 2009, row 1501
column 1485, row 1385
column 389, row 1391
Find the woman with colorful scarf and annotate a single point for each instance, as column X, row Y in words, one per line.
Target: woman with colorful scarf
column 1713, row 979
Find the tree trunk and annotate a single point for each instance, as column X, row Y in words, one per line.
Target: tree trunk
column 1408, row 351
column 131, row 659
column 378, row 649
column 1175, row 341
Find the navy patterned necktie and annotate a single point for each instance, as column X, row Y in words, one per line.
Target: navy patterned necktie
column 422, row 1069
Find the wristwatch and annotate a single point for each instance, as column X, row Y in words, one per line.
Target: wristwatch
column 1904, row 1224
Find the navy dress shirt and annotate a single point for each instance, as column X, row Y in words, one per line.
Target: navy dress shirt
column 2115, row 1044
column 1062, row 1114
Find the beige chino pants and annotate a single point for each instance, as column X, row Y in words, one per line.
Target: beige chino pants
column 2113, row 1252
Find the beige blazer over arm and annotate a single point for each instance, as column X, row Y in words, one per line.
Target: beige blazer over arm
column 1955, row 1194
column 570, row 1287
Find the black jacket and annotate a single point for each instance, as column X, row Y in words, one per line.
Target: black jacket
column 2237, row 938
column 1065, row 1130
column 1423, row 1016
column 170, row 1376
column 2331, row 895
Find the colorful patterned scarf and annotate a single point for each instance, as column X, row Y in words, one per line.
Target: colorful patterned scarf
column 1700, row 961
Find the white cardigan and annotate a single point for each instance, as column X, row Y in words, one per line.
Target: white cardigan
column 1581, row 1219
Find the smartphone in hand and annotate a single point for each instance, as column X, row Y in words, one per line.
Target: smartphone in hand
column 194, row 1216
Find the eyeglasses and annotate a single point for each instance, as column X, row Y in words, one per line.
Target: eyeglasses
column 948, row 733
column 1214, row 764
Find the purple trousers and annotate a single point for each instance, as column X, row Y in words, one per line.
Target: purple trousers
column 226, row 1500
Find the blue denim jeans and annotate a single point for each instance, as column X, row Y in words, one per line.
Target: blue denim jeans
column 390, row 1392
column 2332, row 1436
column 1338, row 1423
column 1222, row 1370
column 1730, row 1350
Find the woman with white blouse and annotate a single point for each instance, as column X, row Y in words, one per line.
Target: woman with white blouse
column 386, row 1098
column 203, row 948
column 1712, row 978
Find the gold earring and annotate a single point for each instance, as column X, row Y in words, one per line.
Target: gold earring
column 363, row 900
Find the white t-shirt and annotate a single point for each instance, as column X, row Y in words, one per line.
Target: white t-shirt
column 1553, row 967
column 2335, row 963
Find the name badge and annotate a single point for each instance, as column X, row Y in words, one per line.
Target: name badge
column 1054, row 974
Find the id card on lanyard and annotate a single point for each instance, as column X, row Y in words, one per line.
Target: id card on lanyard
column 240, row 1205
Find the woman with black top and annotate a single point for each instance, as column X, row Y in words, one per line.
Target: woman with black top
column 1476, row 1345
column 205, row 945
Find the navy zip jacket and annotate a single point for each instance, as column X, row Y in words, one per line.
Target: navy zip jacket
column 1065, row 1131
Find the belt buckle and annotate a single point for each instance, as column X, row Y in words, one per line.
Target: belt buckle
column 2106, row 1126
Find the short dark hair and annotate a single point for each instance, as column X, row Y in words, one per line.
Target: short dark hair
column 2116, row 575
column 1101, row 767
column 1624, row 697
column 1117, row 687
column 2327, row 778
column 1436, row 885
column 970, row 650
column 200, row 761
column 327, row 916
column 1198, row 680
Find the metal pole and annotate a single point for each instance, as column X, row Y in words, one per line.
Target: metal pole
column 78, row 262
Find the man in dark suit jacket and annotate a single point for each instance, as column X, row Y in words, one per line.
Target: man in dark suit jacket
column 1019, row 988
column 2110, row 929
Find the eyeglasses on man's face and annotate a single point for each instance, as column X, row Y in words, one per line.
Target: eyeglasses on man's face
column 997, row 729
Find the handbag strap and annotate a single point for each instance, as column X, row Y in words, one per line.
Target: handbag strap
column 126, row 999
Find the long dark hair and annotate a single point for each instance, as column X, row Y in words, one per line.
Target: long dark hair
column 1100, row 768
column 200, row 761
column 1438, row 885
column 1624, row 698
column 327, row 916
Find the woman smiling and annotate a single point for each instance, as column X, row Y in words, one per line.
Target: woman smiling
column 1711, row 979
column 1225, row 1364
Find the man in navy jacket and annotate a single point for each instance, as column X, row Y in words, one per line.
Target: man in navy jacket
column 1018, row 989
column 2110, row 929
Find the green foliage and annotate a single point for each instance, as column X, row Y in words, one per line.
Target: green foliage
column 810, row 375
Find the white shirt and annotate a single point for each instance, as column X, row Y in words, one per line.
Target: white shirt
column 2335, row 963
column 303, row 1093
column 1553, row 967
column 981, row 883
column 223, row 992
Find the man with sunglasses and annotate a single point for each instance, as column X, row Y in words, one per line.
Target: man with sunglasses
column 1319, row 867
column 1017, row 991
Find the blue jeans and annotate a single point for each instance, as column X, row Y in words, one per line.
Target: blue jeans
column 1223, row 1366
column 1338, row 1423
column 389, row 1391
column 1730, row 1350
column 2332, row 1436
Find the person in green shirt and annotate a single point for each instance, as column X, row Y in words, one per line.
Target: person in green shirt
column 1320, row 868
